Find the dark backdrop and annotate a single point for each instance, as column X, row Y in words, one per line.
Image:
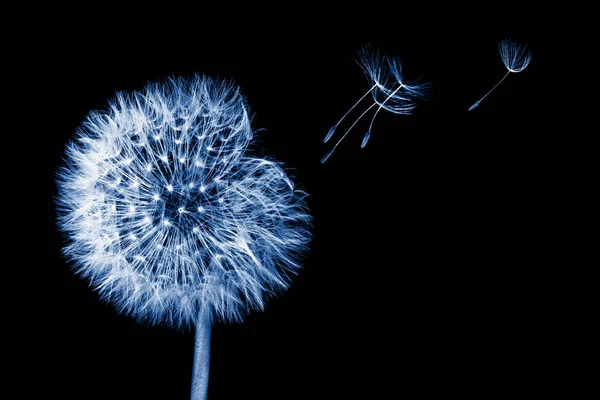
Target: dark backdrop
column 421, row 279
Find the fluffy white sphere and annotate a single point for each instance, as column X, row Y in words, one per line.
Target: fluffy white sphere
column 167, row 214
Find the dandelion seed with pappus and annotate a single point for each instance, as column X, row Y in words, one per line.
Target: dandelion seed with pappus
column 515, row 58
column 389, row 90
column 169, row 215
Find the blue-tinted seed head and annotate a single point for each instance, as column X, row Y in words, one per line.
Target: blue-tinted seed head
column 168, row 214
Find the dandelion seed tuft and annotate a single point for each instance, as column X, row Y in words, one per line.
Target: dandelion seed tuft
column 388, row 89
column 515, row 58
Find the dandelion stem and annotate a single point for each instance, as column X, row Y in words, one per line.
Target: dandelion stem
column 491, row 90
column 201, row 358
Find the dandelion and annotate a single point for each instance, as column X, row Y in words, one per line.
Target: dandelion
column 515, row 58
column 389, row 91
column 171, row 218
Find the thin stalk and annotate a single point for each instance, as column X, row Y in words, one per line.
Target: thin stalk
column 201, row 358
column 368, row 133
column 345, row 134
column 334, row 127
column 479, row 101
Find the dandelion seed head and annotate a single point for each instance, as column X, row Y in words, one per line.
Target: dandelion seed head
column 164, row 239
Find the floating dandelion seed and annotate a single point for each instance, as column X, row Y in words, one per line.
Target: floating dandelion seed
column 388, row 88
column 515, row 58
column 169, row 216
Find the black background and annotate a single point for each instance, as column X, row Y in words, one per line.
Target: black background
column 422, row 276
